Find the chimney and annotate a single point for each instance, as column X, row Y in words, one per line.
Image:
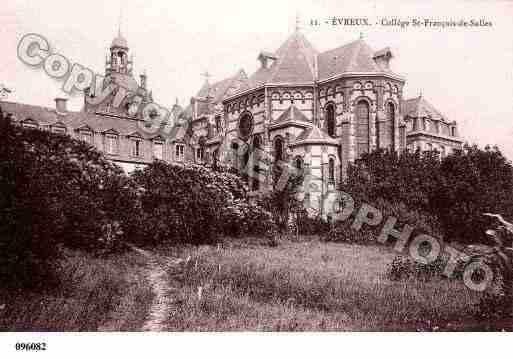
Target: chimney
column 60, row 105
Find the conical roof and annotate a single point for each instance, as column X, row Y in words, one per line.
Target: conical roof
column 295, row 63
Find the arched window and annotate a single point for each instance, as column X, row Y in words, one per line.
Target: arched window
column 330, row 119
column 218, row 125
column 331, row 170
column 245, row 125
column 390, row 125
column 278, row 149
column 298, row 163
column 362, row 115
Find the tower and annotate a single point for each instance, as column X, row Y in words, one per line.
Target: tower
column 118, row 61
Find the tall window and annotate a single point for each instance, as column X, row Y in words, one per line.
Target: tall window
column 179, row 152
column 111, row 144
column 199, row 154
column 390, row 128
column 298, row 163
column 331, row 170
column 443, row 152
column 278, row 149
column 402, row 136
column 362, row 114
column 87, row 136
column 215, row 157
column 330, row 119
column 158, row 150
column 136, row 147
column 218, row 124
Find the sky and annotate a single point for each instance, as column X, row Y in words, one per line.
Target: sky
column 467, row 73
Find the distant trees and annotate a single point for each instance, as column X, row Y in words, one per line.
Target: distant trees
column 456, row 190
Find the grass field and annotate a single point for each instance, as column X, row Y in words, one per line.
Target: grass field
column 295, row 286
column 96, row 294
column 310, row 286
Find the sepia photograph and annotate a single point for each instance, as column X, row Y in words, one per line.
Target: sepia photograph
column 235, row 168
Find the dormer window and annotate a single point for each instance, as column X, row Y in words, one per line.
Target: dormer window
column 87, row 136
column 266, row 59
column 136, row 147
column 58, row 129
column 29, row 123
column 158, row 150
column 179, row 152
column 383, row 57
column 111, row 144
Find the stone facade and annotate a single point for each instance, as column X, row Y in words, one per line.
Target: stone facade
column 319, row 111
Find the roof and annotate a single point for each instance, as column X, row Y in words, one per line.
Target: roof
column 119, row 41
column 419, row 107
column 314, row 135
column 295, row 63
column 82, row 120
column 218, row 91
column 356, row 56
column 292, row 114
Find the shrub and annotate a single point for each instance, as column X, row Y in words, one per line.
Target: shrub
column 244, row 218
column 342, row 231
column 56, row 191
column 186, row 202
column 456, row 190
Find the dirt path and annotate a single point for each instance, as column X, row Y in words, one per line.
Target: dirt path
column 158, row 278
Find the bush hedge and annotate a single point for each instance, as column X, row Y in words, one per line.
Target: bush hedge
column 192, row 204
column 56, row 191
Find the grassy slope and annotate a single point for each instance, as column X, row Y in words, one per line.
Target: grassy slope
column 311, row 286
column 96, row 294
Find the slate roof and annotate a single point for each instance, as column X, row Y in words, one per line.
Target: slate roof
column 419, row 107
column 77, row 120
column 295, row 63
column 314, row 135
column 119, row 41
column 217, row 91
column 292, row 114
column 298, row 62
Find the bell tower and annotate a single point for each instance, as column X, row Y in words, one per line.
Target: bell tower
column 118, row 61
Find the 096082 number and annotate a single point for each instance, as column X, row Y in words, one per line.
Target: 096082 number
column 30, row 346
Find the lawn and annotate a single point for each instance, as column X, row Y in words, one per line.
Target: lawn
column 309, row 285
column 96, row 294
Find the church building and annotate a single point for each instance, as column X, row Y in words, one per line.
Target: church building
column 316, row 110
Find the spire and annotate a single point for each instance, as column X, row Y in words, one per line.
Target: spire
column 119, row 19
column 297, row 27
